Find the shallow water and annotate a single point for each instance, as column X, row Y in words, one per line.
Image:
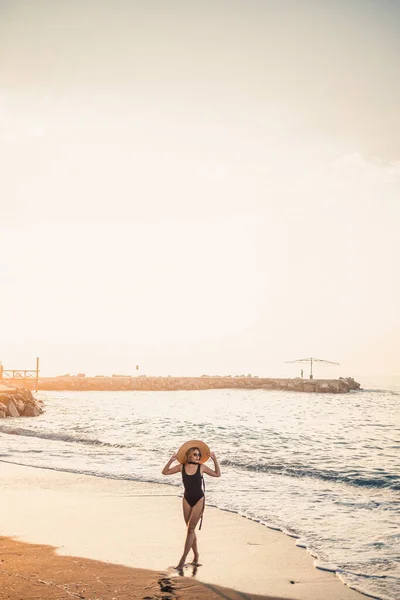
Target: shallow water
column 323, row 468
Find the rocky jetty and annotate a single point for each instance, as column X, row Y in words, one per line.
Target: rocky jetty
column 319, row 386
column 18, row 402
column 121, row 383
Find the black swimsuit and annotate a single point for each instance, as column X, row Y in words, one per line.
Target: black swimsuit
column 193, row 486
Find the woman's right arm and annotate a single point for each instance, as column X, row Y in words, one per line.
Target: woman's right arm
column 167, row 470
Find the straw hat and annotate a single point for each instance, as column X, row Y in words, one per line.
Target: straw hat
column 204, row 449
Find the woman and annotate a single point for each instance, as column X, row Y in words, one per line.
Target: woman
column 191, row 457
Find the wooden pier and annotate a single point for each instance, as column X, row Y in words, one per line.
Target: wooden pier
column 27, row 378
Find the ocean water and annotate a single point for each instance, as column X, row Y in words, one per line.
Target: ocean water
column 322, row 468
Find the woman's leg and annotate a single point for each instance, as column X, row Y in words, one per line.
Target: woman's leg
column 194, row 518
column 187, row 509
column 196, row 555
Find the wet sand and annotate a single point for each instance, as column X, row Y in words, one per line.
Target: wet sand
column 127, row 535
column 30, row 571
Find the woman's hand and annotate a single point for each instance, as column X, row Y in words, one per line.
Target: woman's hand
column 168, row 470
column 217, row 470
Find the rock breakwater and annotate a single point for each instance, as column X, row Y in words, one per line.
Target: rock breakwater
column 18, row 402
column 120, row 383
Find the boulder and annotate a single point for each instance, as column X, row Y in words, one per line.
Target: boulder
column 7, row 398
column 32, row 410
column 19, row 404
column 323, row 387
column 12, row 409
column 353, row 385
column 26, row 394
column 343, row 385
column 309, row 387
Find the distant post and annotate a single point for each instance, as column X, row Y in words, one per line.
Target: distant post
column 311, row 361
column 37, row 373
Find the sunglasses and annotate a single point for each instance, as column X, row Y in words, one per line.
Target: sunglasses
column 196, row 454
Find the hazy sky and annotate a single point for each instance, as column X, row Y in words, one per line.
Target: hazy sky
column 200, row 186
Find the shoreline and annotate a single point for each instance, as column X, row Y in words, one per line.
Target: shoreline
column 144, row 529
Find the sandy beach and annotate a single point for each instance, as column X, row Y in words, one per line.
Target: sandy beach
column 128, row 535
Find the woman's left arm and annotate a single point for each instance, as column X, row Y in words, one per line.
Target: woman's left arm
column 217, row 470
